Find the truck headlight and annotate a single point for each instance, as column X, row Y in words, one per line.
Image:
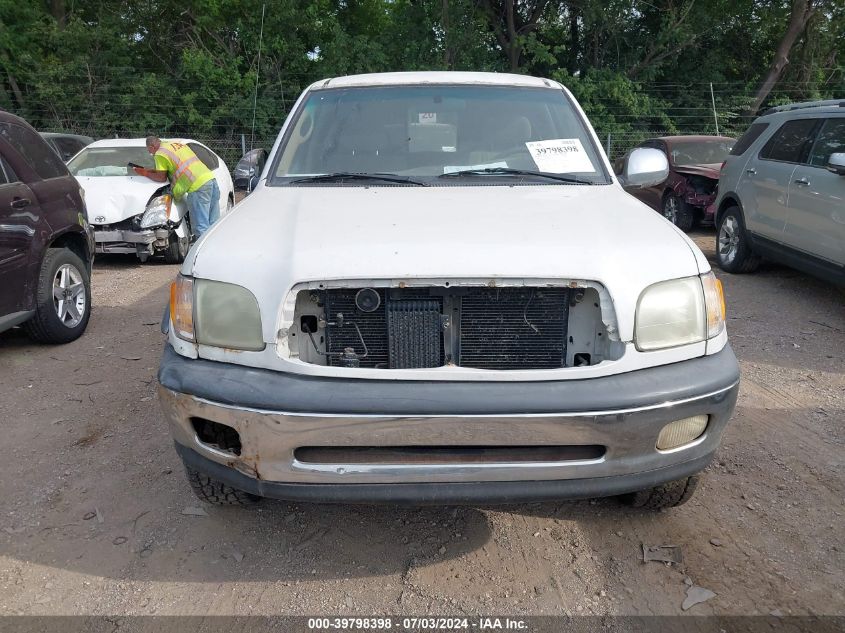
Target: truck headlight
column 158, row 210
column 669, row 314
column 215, row 313
column 227, row 315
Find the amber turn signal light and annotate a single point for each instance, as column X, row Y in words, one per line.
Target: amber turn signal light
column 182, row 307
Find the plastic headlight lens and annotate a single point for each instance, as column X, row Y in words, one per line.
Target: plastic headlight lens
column 714, row 300
column 670, row 313
column 227, row 316
column 157, row 212
column 182, row 307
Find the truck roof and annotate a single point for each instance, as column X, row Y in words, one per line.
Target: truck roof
column 434, row 77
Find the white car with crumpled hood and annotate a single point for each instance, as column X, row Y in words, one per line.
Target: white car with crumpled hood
column 133, row 214
column 440, row 293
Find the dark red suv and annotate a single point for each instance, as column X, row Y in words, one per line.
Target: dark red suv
column 46, row 244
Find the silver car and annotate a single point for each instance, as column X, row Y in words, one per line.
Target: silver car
column 782, row 192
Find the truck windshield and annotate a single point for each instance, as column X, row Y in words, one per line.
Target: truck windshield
column 499, row 134
column 109, row 161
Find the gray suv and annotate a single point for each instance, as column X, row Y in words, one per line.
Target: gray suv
column 782, row 192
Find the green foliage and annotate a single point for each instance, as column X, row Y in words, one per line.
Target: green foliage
column 173, row 67
column 618, row 107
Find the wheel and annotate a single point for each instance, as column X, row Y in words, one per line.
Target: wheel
column 678, row 212
column 733, row 249
column 177, row 248
column 668, row 495
column 215, row 492
column 62, row 299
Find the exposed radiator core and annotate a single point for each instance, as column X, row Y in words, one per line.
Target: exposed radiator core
column 413, row 333
column 373, row 326
column 487, row 328
column 514, row 328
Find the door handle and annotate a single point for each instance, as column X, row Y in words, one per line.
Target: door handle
column 751, row 171
column 19, row 203
column 802, row 181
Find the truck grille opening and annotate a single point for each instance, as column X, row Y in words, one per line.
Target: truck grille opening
column 446, row 455
column 506, row 328
column 397, row 345
column 514, row 328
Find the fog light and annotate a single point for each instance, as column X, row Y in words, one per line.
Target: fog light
column 681, row 432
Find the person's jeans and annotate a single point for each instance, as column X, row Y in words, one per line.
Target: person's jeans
column 204, row 206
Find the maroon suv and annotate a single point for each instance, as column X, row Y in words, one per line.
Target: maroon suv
column 686, row 197
column 46, row 244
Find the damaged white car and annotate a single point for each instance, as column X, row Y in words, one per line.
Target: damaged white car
column 440, row 293
column 133, row 214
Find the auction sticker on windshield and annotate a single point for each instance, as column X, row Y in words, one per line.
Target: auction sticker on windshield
column 560, row 156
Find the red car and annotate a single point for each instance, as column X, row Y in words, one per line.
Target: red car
column 686, row 197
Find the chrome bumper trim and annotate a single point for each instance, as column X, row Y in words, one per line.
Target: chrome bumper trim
column 269, row 439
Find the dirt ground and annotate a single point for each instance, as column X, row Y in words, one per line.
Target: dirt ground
column 91, row 518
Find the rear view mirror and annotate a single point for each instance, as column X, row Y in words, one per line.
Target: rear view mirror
column 645, row 167
column 836, row 163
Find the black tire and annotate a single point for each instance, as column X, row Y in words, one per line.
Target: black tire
column 678, row 212
column 668, row 495
column 215, row 492
column 46, row 326
column 733, row 248
column 178, row 247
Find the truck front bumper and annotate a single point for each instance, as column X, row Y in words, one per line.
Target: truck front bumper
column 282, row 419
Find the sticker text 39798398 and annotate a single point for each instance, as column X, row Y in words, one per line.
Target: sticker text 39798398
column 560, row 156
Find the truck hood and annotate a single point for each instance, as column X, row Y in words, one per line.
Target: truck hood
column 280, row 236
column 111, row 199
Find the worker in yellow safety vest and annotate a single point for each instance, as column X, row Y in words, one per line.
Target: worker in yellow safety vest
column 189, row 177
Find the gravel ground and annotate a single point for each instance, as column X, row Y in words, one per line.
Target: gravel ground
column 93, row 494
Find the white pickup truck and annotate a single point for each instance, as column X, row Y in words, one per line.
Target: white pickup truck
column 440, row 293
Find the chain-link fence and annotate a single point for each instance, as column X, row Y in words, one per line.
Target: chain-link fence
column 615, row 145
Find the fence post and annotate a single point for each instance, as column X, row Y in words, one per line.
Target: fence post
column 713, row 101
column 608, row 146
column 243, row 144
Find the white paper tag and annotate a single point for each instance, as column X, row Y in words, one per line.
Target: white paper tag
column 560, row 156
column 450, row 169
column 428, row 117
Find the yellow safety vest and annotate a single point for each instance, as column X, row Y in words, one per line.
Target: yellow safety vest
column 186, row 171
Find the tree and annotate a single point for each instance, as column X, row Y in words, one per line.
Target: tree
column 511, row 21
column 802, row 12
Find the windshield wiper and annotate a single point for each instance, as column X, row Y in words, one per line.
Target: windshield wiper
column 340, row 176
column 507, row 171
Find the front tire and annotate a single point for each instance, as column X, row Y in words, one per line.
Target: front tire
column 678, row 212
column 669, row 495
column 62, row 298
column 733, row 247
column 216, row 492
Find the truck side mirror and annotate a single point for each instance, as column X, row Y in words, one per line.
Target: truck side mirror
column 645, row 167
